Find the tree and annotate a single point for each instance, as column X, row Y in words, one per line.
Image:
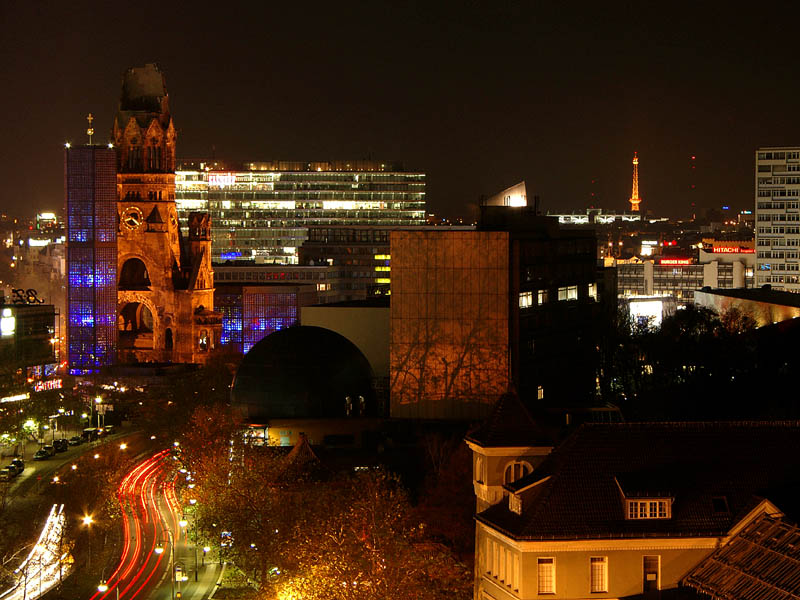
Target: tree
column 364, row 543
column 294, row 527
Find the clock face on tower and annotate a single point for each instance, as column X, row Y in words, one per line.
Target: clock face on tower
column 132, row 218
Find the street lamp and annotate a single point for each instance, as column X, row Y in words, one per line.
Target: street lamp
column 160, row 549
column 103, row 587
column 87, row 521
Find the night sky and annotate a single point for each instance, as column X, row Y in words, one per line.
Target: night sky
column 477, row 95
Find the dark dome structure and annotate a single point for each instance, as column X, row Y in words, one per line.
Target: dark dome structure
column 303, row 372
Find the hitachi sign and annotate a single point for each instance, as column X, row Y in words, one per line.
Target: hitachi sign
column 732, row 250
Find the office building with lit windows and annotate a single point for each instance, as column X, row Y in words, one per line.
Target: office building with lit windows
column 90, row 182
column 777, row 201
column 262, row 212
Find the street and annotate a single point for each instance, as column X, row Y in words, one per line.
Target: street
column 155, row 544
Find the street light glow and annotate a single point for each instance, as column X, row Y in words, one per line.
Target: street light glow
column 103, row 587
column 123, row 446
column 88, row 520
column 183, row 522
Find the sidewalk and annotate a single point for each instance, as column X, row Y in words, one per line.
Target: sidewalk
column 30, row 446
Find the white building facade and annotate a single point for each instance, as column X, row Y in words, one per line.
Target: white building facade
column 777, row 202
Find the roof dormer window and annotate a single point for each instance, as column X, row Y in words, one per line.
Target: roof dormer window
column 649, row 509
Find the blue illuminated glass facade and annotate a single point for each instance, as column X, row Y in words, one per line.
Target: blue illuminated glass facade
column 90, row 184
column 250, row 313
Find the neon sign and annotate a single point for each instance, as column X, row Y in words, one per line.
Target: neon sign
column 675, row 261
column 732, row 250
column 48, row 384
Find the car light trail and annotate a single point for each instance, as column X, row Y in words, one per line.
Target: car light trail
column 138, row 495
column 45, row 565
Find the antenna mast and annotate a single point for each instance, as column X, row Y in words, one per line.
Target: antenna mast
column 634, row 199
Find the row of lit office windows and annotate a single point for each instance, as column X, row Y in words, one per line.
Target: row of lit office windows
column 567, row 292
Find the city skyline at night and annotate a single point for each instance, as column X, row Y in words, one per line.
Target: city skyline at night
column 476, row 96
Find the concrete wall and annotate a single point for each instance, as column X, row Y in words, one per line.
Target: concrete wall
column 366, row 327
column 449, row 348
column 764, row 313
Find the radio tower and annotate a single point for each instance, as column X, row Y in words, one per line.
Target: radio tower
column 635, row 200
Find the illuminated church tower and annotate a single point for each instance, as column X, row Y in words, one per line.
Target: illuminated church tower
column 166, row 287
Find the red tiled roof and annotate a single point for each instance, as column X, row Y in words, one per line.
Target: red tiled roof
column 695, row 463
column 509, row 424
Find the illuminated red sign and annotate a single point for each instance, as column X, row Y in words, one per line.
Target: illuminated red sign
column 47, row 384
column 221, row 179
column 675, row 261
column 732, row 250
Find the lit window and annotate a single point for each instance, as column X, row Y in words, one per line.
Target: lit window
column 542, row 296
column 547, row 575
column 648, row 509
column 525, row 299
column 540, row 393
column 569, row 292
column 599, row 573
column 593, row 291
column 572, row 292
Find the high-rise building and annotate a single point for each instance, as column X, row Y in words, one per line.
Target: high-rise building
column 778, row 217
column 166, row 284
column 262, row 212
column 90, row 184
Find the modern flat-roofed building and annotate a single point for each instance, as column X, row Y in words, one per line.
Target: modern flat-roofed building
column 777, row 188
column 90, row 185
column 261, row 212
column 723, row 266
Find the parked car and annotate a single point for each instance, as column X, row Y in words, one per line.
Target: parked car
column 42, row 454
column 75, row 440
column 18, row 464
column 108, row 429
column 61, row 445
column 51, row 451
column 7, row 474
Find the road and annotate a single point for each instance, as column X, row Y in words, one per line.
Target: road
column 39, row 473
column 154, row 542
